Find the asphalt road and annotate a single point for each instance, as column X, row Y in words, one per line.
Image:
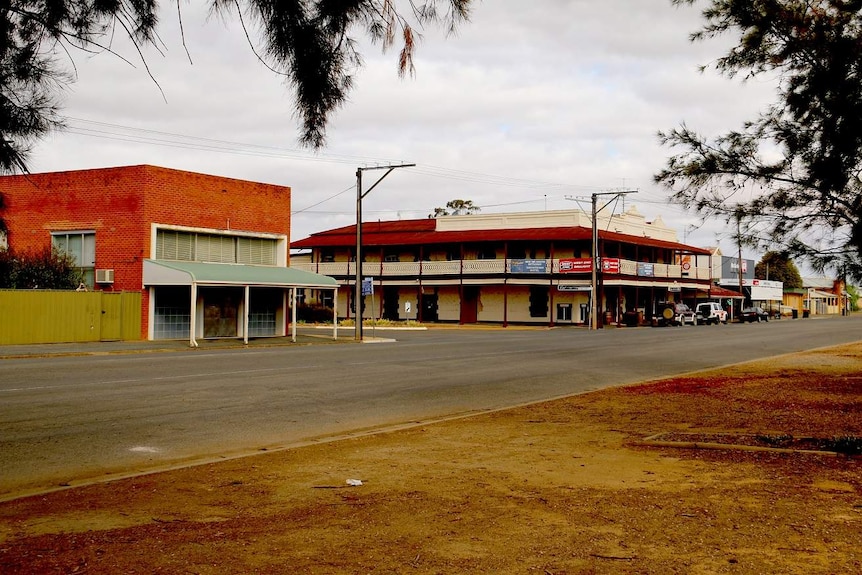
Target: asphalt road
column 70, row 420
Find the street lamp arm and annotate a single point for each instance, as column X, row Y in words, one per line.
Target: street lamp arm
column 388, row 171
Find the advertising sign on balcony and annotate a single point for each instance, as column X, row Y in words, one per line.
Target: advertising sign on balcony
column 576, row 265
column 529, row 266
column 646, row 269
column 611, row 265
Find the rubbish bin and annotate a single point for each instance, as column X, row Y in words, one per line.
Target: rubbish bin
column 631, row 318
column 805, row 313
column 795, row 313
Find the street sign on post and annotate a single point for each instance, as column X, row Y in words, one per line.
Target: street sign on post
column 368, row 286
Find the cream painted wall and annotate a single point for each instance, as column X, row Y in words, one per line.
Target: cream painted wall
column 408, row 294
column 448, row 304
column 490, row 303
column 519, row 305
column 631, row 222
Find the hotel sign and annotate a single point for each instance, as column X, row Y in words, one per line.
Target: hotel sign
column 646, row 269
column 528, row 266
column 576, row 265
column 610, row 265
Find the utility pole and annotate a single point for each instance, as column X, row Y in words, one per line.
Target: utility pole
column 594, row 280
column 357, row 297
column 594, row 252
column 739, row 258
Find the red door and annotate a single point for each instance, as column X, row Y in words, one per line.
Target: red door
column 469, row 304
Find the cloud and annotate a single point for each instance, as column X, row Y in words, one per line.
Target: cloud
column 528, row 104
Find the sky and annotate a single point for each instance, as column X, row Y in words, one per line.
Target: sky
column 529, row 106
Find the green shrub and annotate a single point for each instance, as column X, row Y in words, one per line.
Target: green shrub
column 314, row 314
column 46, row 269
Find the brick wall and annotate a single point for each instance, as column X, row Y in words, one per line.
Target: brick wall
column 121, row 203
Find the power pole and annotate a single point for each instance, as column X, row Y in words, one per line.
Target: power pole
column 594, row 254
column 357, row 297
column 739, row 258
column 594, row 280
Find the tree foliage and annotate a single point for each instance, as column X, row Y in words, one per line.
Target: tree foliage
column 791, row 174
column 311, row 42
column 456, row 208
column 777, row 266
column 45, row 269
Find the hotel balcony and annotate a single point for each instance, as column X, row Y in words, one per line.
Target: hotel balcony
column 497, row 267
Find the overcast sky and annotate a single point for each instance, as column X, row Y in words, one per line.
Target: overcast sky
column 531, row 104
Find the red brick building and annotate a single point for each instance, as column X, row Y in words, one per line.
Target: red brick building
column 199, row 246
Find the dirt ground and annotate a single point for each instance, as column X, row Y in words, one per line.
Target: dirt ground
column 566, row 486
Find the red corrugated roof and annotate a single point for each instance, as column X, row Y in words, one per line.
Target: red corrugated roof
column 423, row 232
column 718, row 291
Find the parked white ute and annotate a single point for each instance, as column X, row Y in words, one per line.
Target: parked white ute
column 710, row 312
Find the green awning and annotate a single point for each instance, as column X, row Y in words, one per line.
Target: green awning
column 168, row 272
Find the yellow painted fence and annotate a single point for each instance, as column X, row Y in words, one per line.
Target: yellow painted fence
column 43, row 316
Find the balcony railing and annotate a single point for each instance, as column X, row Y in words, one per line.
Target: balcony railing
column 488, row 267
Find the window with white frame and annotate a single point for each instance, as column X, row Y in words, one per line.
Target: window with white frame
column 81, row 246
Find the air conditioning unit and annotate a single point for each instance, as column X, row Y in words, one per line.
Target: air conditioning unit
column 104, row 276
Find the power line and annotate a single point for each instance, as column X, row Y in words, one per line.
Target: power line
column 130, row 134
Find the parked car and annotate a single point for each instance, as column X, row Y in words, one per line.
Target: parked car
column 751, row 314
column 674, row 313
column 710, row 312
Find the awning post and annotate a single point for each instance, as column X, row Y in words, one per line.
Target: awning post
column 245, row 315
column 193, row 316
column 293, row 315
column 335, row 313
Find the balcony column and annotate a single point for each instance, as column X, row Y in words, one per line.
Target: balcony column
column 506, row 284
column 461, row 286
column 551, row 285
column 419, row 301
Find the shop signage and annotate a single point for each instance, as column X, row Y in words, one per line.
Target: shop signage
column 574, row 288
column 646, row 269
column 611, row 265
column 576, row 265
column 528, row 266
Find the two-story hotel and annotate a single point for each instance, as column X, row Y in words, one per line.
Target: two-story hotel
column 530, row 267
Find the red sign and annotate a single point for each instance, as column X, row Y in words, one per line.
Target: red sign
column 576, row 266
column 611, row 265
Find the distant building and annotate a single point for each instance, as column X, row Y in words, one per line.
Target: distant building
column 209, row 253
column 824, row 295
column 528, row 267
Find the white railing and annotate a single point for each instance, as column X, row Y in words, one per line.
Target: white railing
column 484, row 266
column 628, row 268
column 442, row 268
column 410, row 269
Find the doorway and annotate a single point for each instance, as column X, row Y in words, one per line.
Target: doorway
column 428, row 301
column 564, row 313
column 221, row 312
column 469, row 304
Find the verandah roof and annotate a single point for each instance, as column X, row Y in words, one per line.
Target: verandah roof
column 163, row 272
column 197, row 274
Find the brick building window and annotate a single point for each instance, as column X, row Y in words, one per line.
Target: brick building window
column 81, row 245
column 215, row 248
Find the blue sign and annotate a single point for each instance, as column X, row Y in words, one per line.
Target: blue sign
column 646, row 269
column 368, row 286
column 529, row 266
